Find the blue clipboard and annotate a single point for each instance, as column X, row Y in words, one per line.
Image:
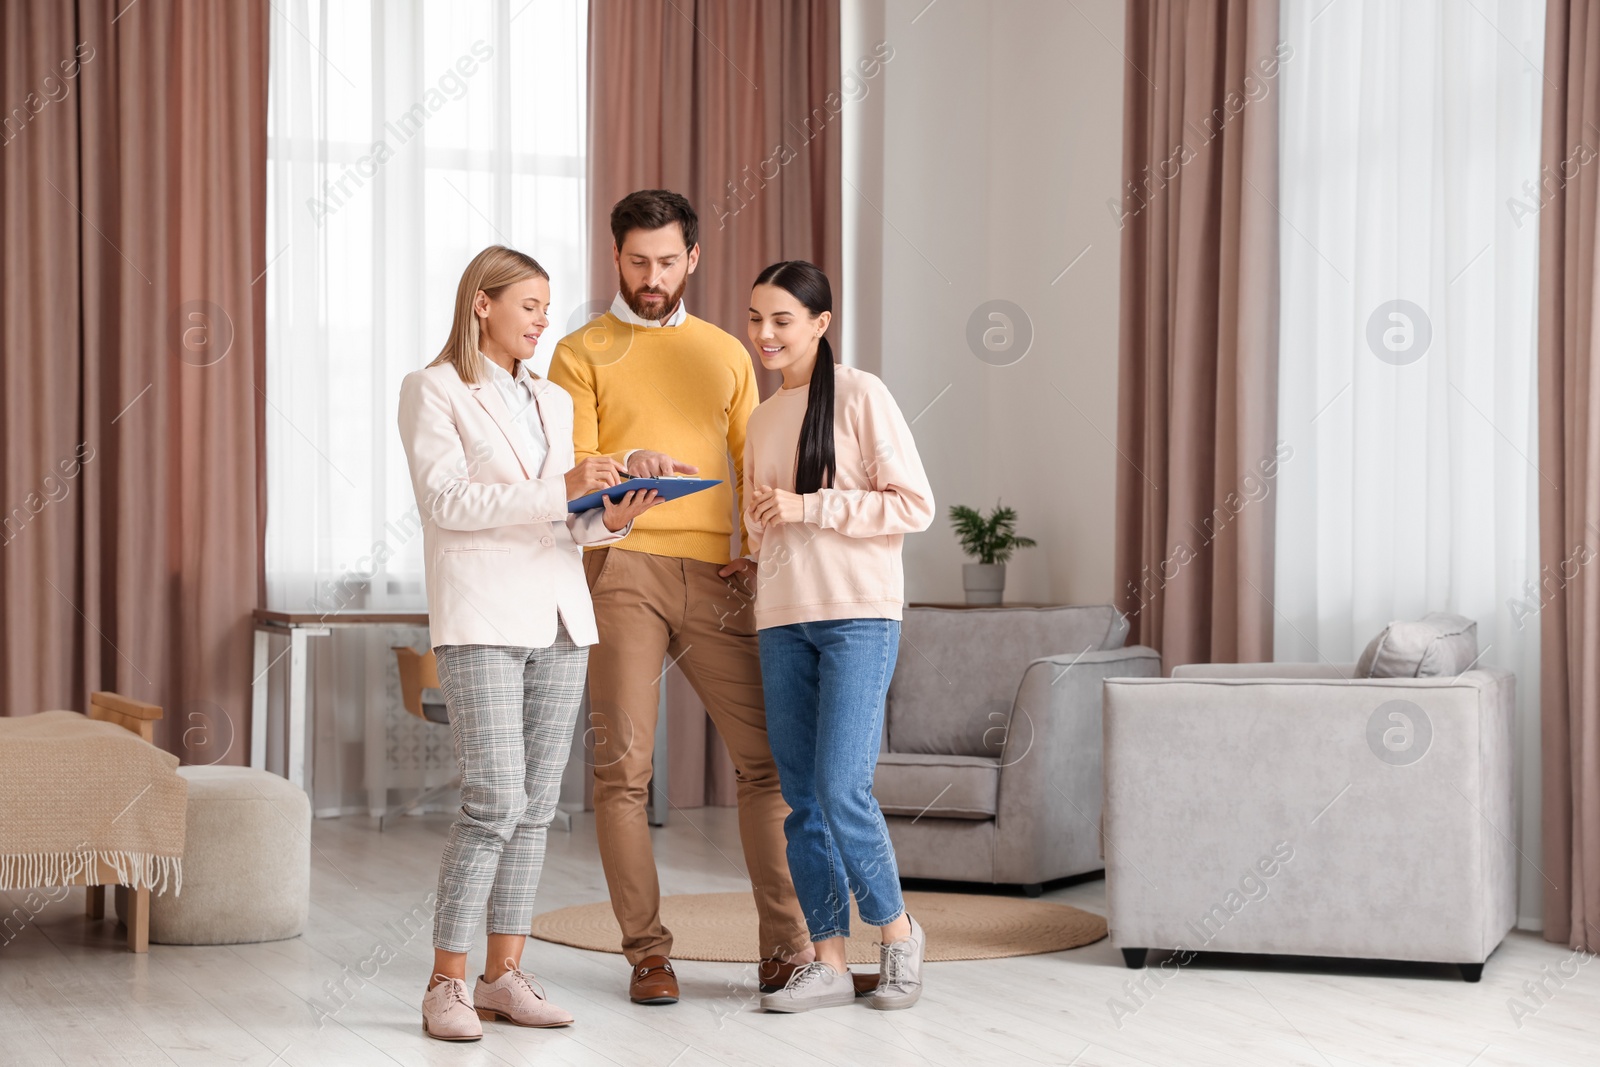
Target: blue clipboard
column 668, row 488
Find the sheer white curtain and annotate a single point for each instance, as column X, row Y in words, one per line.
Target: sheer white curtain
column 1410, row 144
column 403, row 138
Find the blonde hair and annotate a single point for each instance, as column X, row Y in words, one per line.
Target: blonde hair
column 489, row 273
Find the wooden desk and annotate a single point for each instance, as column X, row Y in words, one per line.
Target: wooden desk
column 298, row 627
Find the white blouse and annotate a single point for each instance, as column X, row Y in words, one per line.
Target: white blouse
column 518, row 394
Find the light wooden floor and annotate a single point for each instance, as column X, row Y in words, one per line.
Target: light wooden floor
column 70, row 993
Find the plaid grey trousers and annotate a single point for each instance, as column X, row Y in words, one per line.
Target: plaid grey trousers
column 512, row 713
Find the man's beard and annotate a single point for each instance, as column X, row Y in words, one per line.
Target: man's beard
column 658, row 312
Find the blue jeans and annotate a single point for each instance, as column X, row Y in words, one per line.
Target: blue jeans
column 824, row 684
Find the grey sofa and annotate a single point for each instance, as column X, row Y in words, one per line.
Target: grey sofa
column 990, row 769
column 1301, row 810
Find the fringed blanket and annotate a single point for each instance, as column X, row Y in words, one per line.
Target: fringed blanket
column 75, row 793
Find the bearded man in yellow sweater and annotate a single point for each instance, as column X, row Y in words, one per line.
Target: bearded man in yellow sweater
column 665, row 393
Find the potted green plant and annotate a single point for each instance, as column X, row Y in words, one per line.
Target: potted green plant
column 990, row 540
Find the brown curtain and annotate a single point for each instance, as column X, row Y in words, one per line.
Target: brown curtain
column 1197, row 391
column 132, row 220
column 735, row 104
column 1569, row 458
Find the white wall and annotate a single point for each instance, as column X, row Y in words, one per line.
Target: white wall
column 979, row 165
column 980, row 162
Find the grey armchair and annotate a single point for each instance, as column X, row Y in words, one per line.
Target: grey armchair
column 990, row 769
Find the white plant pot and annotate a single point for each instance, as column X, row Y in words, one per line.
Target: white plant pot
column 985, row 583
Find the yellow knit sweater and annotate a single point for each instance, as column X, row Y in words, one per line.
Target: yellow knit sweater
column 685, row 390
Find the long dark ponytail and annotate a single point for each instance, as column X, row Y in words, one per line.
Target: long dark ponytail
column 814, row 466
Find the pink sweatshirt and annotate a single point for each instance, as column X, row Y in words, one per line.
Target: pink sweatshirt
column 843, row 562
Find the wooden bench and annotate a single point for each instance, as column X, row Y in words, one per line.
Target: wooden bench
column 134, row 905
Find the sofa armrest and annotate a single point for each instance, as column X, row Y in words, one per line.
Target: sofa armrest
column 1332, row 671
column 1047, row 820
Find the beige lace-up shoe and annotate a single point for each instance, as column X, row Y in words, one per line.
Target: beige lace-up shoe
column 447, row 1013
column 517, row 998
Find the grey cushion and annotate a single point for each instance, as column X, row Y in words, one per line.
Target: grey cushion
column 1434, row 645
column 434, row 708
column 958, row 669
column 955, row 850
column 939, row 787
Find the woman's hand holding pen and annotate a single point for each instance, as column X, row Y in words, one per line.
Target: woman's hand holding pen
column 596, row 472
column 773, row 506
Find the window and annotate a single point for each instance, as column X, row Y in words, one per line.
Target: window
column 403, row 138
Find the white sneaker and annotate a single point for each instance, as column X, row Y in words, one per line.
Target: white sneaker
column 816, row 985
column 900, row 971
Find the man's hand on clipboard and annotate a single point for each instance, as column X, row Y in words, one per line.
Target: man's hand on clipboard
column 643, row 463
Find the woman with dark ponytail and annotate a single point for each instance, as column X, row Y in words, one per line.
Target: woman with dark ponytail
column 836, row 485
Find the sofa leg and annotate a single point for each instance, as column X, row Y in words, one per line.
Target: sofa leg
column 1472, row 972
column 1033, row 889
column 1134, row 957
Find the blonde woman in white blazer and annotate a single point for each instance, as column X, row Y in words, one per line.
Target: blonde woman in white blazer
column 490, row 449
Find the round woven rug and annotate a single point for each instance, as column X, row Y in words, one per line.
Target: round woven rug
column 721, row 927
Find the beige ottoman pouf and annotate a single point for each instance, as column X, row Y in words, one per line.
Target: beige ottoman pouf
column 246, row 861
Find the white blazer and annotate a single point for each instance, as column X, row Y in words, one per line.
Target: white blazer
column 501, row 552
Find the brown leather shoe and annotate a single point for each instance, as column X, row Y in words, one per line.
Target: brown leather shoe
column 653, row 982
column 772, row 974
